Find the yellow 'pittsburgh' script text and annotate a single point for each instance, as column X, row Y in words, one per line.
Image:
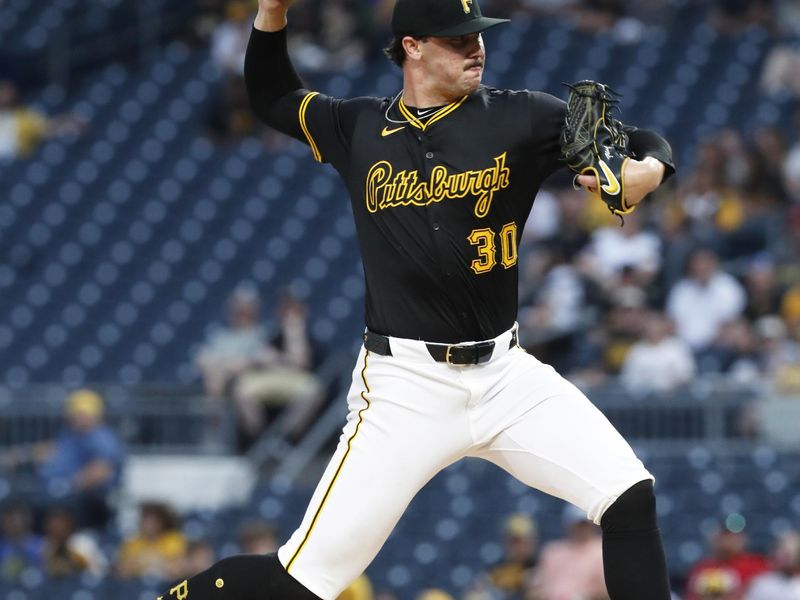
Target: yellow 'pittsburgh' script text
column 385, row 189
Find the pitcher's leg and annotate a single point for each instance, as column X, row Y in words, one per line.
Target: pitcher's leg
column 403, row 428
column 566, row 447
column 404, row 425
column 633, row 556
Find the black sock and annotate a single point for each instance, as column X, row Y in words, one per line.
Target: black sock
column 243, row 577
column 633, row 557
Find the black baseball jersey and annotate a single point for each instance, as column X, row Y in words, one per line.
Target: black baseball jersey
column 439, row 203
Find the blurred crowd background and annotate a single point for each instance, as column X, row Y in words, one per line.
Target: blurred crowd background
column 181, row 299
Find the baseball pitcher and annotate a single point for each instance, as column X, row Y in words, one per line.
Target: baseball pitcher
column 442, row 177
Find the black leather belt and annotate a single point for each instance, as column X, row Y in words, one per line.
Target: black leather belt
column 452, row 354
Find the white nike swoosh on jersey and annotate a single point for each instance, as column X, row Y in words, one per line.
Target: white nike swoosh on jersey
column 426, row 112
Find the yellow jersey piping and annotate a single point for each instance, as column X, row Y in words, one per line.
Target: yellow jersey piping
column 419, row 124
column 304, row 126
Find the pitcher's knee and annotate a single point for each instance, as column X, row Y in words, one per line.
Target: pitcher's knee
column 634, row 510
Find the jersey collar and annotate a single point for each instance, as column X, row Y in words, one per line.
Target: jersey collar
column 423, row 126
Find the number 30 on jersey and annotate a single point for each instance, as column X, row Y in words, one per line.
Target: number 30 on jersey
column 485, row 242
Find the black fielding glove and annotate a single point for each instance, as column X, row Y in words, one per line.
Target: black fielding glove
column 593, row 142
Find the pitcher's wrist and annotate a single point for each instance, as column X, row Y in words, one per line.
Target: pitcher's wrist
column 270, row 21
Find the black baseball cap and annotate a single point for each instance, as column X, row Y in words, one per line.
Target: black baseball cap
column 439, row 18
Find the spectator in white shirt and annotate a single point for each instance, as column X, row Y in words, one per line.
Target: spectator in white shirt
column 659, row 362
column 613, row 248
column 240, row 363
column 704, row 300
column 229, row 39
column 782, row 583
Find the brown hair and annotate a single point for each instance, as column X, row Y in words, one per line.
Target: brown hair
column 165, row 516
column 395, row 51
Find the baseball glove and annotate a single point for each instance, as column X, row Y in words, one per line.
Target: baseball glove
column 592, row 141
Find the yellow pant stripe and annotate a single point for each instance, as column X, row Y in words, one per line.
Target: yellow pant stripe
column 341, row 464
column 304, row 127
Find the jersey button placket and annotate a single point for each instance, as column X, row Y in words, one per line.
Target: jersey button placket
column 429, row 155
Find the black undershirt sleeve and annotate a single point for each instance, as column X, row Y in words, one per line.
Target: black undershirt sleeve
column 280, row 100
column 644, row 142
column 274, row 88
column 268, row 71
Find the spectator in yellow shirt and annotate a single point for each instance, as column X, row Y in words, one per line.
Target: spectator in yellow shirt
column 360, row 589
column 22, row 128
column 157, row 549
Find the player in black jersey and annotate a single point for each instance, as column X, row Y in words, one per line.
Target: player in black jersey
column 442, row 178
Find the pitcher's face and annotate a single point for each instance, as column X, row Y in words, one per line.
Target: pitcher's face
column 455, row 63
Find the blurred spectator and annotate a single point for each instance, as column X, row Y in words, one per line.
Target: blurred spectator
column 791, row 166
column 20, row 547
column 157, row 549
column 577, row 220
column 68, row 553
column 556, row 302
column 258, row 375
column 783, row 581
column 520, row 544
column 726, row 573
column 761, row 285
column 734, row 164
column 257, row 537
column 329, row 36
column 768, row 156
column 241, row 345
column 735, row 352
column 702, row 196
column 781, row 71
column 659, row 362
column 230, row 114
column 622, row 325
column 200, row 555
column 613, row 248
column 605, row 15
column 84, row 464
column 712, row 196
column 22, row 128
column 781, row 354
column 705, row 299
column 434, row 594
column 480, row 590
column 544, row 219
column 207, row 16
column 787, row 16
column 229, row 38
column 360, row 589
column 602, row 350
column 732, row 16
column 571, row 567
column 790, row 305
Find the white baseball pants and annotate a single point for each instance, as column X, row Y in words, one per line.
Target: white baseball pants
column 410, row 417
